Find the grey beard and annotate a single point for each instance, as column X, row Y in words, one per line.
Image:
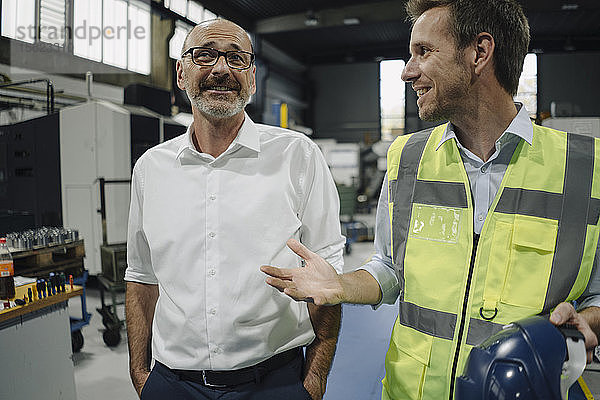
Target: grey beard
column 219, row 109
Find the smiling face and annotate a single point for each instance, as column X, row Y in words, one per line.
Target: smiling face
column 217, row 91
column 437, row 70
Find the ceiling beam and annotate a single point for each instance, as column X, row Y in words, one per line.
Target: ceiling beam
column 363, row 13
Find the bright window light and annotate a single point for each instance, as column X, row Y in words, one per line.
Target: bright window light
column 18, row 21
column 87, row 15
column 527, row 91
column 195, row 12
column 115, row 32
column 391, row 89
column 139, row 38
column 176, row 42
column 179, row 6
column 114, row 49
column 52, row 22
column 208, row 15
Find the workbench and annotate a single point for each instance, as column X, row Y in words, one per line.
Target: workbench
column 35, row 348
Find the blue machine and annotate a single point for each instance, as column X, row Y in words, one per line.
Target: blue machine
column 525, row 361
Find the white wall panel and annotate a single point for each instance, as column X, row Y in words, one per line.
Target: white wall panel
column 95, row 142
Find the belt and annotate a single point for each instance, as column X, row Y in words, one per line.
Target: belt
column 225, row 379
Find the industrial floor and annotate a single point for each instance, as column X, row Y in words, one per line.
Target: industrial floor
column 102, row 373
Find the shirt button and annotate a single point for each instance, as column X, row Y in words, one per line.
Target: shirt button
column 212, row 235
column 211, row 272
column 483, row 169
column 213, row 311
column 213, row 197
column 215, row 350
column 480, row 217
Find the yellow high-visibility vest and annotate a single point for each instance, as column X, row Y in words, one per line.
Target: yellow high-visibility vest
column 536, row 249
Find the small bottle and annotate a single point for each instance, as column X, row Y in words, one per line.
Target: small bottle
column 7, row 272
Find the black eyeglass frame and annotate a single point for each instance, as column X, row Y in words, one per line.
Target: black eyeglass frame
column 219, row 54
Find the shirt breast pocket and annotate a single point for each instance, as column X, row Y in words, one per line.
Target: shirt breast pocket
column 530, row 261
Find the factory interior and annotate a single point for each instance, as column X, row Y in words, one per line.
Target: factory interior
column 88, row 86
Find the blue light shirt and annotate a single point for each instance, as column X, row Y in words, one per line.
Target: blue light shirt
column 484, row 179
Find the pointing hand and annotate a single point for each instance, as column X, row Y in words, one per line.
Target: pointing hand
column 316, row 282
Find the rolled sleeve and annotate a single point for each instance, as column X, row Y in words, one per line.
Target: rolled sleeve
column 139, row 264
column 386, row 278
column 381, row 266
column 590, row 301
column 321, row 231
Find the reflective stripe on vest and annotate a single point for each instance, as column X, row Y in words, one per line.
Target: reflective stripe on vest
column 573, row 209
column 441, row 324
column 403, row 199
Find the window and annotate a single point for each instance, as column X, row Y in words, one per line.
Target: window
column 86, row 15
column 176, row 43
column 208, row 15
column 195, row 12
column 18, row 22
column 391, row 98
column 139, row 44
column 179, row 6
column 53, row 22
column 115, row 32
column 114, row 43
column 527, row 91
column 190, row 9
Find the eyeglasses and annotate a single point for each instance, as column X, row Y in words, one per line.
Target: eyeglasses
column 206, row 57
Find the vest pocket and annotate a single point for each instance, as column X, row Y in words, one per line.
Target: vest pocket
column 406, row 363
column 531, row 255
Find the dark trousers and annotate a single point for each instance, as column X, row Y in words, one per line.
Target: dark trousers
column 284, row 383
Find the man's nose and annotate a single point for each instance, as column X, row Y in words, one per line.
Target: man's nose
column 221, row 65
column 410, row 71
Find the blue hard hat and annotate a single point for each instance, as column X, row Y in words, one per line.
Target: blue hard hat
column 523, row 361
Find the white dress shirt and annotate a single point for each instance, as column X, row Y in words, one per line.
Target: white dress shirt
column 485, row 179
column 200, row 227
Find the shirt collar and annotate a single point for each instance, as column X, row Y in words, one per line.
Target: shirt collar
column 520, row 126
column 247, row 137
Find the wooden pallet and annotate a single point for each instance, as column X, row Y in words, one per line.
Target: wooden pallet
column 65, row 257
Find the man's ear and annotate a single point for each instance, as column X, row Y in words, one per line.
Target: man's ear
column 484, row 51
column 180, row 75
column 253, row 86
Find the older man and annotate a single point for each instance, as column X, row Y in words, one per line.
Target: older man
column 482, row 221
column 207, row 209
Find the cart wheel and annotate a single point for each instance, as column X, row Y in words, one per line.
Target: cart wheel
column 112, row 337
column 76, row 341
column 348, row 248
